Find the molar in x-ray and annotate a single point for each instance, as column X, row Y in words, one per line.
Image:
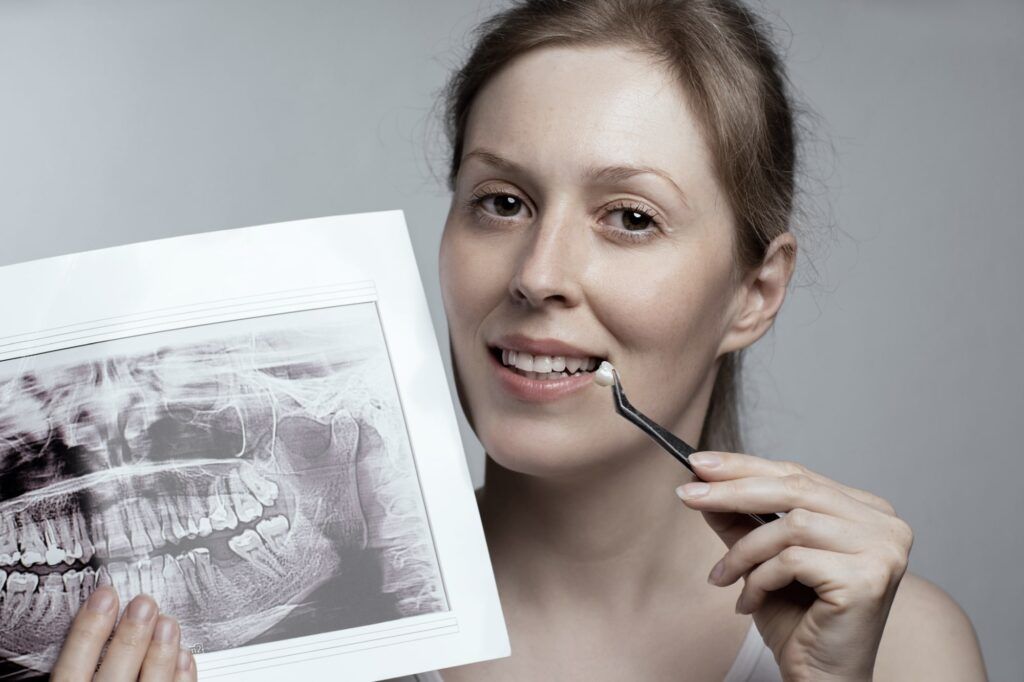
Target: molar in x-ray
column 254, row 477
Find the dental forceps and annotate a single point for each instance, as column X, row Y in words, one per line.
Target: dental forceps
column 675, row 446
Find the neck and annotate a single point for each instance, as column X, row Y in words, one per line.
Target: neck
column 613, row 540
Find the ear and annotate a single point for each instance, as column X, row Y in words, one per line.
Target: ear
column 759, row 296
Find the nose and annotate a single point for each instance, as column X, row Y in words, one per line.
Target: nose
column 550, row 264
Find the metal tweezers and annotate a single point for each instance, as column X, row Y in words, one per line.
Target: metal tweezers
column 674, row 445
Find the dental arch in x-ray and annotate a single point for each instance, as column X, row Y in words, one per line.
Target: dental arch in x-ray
column 253, row 476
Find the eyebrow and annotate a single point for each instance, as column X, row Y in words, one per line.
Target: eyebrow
column 608, row 174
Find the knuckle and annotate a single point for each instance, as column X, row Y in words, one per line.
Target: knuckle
column 903, row 532
column 798, row 484
column 875, row 581
column 791, row 556
column 800, row 521
column 794, row 468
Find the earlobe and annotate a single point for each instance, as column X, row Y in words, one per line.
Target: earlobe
column 760, row 295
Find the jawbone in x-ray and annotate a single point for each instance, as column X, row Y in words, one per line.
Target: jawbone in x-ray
column 254, row 476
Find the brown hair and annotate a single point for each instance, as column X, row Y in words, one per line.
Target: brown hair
column 723, row 55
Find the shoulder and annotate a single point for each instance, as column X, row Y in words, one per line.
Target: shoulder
column 927, row 637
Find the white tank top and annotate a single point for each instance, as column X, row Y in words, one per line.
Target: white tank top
column 754, row 663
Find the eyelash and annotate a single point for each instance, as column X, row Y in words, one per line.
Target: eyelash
column 629, row 235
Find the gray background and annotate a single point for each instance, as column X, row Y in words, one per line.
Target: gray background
column 895, row 363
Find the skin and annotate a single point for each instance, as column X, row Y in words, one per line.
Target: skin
column 601, row 576
column 602, row 571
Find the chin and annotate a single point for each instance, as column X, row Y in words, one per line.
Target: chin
column 546, row 448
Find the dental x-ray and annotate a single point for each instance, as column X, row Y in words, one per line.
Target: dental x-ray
column 251, row 469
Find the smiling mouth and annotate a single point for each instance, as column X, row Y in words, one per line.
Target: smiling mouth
column 544, row 367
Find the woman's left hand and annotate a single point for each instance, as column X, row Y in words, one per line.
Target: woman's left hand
column 846, row 544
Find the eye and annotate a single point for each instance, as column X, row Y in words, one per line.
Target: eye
column 505, row 205
column 638, row 223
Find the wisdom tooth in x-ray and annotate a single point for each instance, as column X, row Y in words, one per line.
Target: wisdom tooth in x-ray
column 253, row 476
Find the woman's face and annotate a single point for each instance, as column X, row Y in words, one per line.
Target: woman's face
column 632, row 267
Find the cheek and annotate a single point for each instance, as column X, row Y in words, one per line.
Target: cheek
column 472, row 275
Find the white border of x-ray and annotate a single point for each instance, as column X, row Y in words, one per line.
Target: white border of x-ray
column 233, row 274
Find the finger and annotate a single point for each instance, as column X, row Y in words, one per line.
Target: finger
column 161, row 660
column 89, row 632
column 185, row 670
column 766, row 494
column 838, row 579
column 130, row 643
column 721, row 466
column 799, row 527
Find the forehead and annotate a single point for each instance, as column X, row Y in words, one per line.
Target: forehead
column 559, row 110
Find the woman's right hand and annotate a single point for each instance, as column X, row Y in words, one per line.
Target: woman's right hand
column 145, row 645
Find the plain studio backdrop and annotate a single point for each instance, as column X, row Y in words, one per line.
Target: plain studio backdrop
column 895, row 364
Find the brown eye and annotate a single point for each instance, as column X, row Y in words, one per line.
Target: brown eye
column 506, row 205
column 635, row 220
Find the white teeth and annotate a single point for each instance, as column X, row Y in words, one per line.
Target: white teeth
column 546, row 364
column 265, row 491
column 524, row 361
column 274, row 531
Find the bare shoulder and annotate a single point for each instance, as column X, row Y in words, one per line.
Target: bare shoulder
column 928, row 637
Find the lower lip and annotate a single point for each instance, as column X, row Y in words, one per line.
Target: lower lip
column 537, row 390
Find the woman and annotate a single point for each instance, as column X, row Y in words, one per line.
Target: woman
column 560, row 250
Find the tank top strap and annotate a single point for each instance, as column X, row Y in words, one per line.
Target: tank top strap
column 754, row 662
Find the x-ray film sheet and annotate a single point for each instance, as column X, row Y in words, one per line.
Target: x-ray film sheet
column 253, row 426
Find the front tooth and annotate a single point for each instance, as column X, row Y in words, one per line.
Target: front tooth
column 558, row 363
column 542, row 364
column 265, row 491
column 524, row 361
column 246, row 506
column 274, row 531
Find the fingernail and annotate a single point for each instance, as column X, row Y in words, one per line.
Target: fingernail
column 741, row 604
column 141, row 609
column 708, row 460
column 717, row 572
column 166, row 629
column 184, row 659
column 691, row 490
column 102, row 600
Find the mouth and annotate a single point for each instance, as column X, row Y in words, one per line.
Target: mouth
column 541, row 378
column 544, row 367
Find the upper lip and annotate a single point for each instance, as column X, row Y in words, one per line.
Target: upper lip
column 548, row 346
